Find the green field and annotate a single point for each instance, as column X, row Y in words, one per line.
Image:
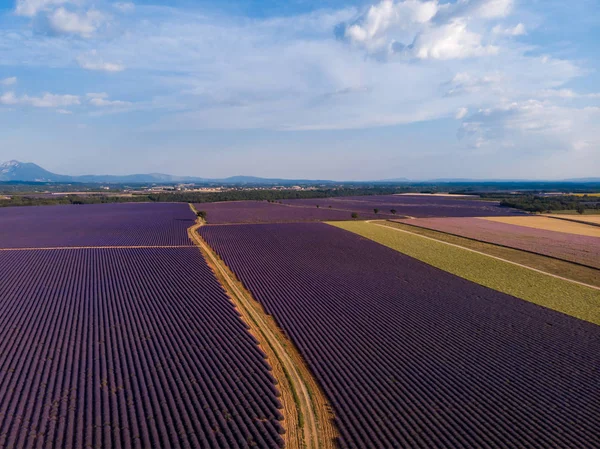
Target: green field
column 557, row 294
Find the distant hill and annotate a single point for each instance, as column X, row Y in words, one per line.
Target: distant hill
column 30, row 172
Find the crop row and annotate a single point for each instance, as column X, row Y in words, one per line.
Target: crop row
column 411, row 356
column 132, row 224
column 127, row 348
column 574, row 248
column 415, row 206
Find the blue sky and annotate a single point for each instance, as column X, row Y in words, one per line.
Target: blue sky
column 315, row 89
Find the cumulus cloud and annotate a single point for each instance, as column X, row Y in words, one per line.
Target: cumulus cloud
column 429, row 29
column 451, row 41
column 64, row 111
column 517, row 30
column 84, row 24
column 8, row 81
column 46, row 100
column 101, row 100
column 124, row 7
column 461, row 113
column 30, row 8
column 92, row 61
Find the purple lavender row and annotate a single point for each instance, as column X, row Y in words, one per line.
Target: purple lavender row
column 127, row 348
column 575, row 248
column 414, row 206
column 131, row 224
column 411, row 356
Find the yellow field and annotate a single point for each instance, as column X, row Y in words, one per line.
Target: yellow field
column 549, row 224
column 594, row 219
column 588, row 194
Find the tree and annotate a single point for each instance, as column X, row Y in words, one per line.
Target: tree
column 580, row 209
column 393, row 211
column 354, row 215
column 376, row 210
column 318, row 206
column 201, row 214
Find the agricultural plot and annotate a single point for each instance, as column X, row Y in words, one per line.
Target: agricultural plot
column 589, row 219
column 405, row 205
column 550, row 224
column 573, row 248
column 407, row 362
column 539, row 288
column 127, row 348
column 131, row 224
column 236, row 212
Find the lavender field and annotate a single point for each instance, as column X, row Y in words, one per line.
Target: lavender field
column 571, row 247
column 119, row 347
column 131, row 224
column 414, row 206
column 411, row 362
column 235, row 212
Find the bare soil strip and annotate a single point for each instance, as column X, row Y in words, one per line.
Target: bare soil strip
column 308, row 416
column 488, row 255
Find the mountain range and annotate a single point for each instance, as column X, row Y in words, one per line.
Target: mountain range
column 30, row 172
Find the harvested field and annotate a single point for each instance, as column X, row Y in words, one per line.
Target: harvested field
column 235, row 212
column 413, row 206
column 131, row 224
column 549, row 224
column 591, row 219
column 136, row 348
column 574, row 248
column 407, row 362
column 556, row 294
column 552, row 265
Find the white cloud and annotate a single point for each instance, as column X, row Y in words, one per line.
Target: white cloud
column 84, row 24
column 8, row 98
column 91, row 61
column 492, row 9
column 125, row 7
column 64, row 111
column 371, row 30
column 101, row 100
column 30, row 8
column 461, row 113
column 46, row 100
column 8, row 81
column 517, row 30
column 451, row 41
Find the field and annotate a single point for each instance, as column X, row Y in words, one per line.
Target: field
column 131, row 224
column 560, row 295
column 552, row 265
column 590, row 219
column 235, row 212
column 409, row 205
column 412, row 356
column 570, row 247
column 125, row 347
column 550, row 224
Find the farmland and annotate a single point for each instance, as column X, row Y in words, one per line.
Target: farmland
column 342, row 208
column 550, row 224
column 126, row 346
column 570, row 247
column 129, row 224
column 412, row 356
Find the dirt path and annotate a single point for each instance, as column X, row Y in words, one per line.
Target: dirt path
column 485, row 254
column 308, row 416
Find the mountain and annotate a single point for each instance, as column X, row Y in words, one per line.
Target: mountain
column 29, row 172
column 26, row 171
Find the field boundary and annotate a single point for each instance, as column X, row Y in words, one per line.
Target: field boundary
column 63, row 248
column 572, row 220
column 488, row 255
column 308, row 417
column 490, row 243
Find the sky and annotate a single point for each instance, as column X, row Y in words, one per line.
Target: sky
column 330, row 89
